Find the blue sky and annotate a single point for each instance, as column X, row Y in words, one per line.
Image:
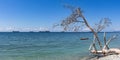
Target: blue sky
column 25, row 15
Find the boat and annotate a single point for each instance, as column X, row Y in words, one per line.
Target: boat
column 15, row 31
column 84, row 38
column 44, row 31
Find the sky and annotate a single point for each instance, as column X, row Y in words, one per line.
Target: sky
column 36, row 15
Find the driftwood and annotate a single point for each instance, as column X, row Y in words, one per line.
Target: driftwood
column 106, row 50
column 110, row 51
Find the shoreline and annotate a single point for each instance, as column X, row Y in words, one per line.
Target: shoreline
column 109, row 57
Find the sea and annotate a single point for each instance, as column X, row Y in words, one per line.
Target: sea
column 49, row 45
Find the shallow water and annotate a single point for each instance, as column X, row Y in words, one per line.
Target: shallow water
column 47, row 46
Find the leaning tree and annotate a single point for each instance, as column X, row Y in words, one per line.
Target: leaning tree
column 74, row 22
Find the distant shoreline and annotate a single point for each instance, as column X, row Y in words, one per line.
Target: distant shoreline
column 54, row 32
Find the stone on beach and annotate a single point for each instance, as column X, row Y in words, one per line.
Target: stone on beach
column 110, row 57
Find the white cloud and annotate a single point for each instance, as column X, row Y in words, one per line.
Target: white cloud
column 85, row 29
column 23, row 29
column 117, row 29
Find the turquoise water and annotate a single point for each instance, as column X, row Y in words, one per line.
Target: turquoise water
column 47, row 46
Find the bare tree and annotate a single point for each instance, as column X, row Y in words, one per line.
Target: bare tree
column 73, row 22
column 105, row 22
column 76, row 19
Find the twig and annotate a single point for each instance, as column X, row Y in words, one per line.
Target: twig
column 112, row 38
column 105, row 41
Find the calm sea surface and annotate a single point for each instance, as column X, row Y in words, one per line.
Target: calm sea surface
column 47, row 46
